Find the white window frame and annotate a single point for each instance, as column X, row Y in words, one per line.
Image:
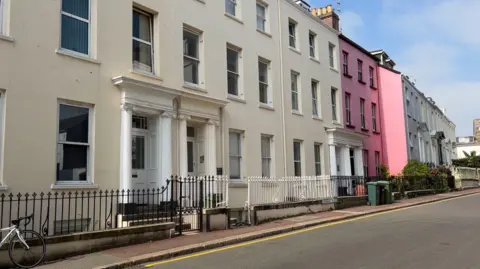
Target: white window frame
column 331, row 55
column 238, row 51
column 235, row 7
column 312, row 42
column 240, row 157
column 333, row 100
column 348, row 112
column 2, row 16
column 199, row 36
column 89, row 144
column 300, row 142
column 265, row 83
column 268, row 158
column 362, row 114
column 264, row 18
column 374, row 117
column 316, row 107
column 150, row 16
column 317, row 163
column 377, row 163
column 360, row 70
column 292, row 36
column 80, row 19
column 345, row 62
column 371, row 71
column 295, row 90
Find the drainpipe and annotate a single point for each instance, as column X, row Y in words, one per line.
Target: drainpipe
column 279, row 23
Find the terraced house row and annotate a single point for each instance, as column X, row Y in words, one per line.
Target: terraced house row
column 122, row 94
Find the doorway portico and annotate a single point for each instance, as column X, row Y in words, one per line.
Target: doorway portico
column 346, row 152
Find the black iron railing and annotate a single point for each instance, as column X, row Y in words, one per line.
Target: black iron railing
column 58, row 213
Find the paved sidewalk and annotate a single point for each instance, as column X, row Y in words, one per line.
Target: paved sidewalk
column 195, row 242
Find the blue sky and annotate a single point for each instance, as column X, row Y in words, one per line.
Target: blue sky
column 435, row 42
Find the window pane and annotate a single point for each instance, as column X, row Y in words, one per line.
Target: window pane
column 138, row 152
column 263, row 72
column 141, row 26
column 78, row 8
column 260, row 11
column 265, row 147
column 261, row 23
column 263, row 93
column 190, row 70
column 142, row 56
column 232, row 83
column 232, row 60
column 74, row 34
column 318, row 169
column 298, row 169
column 190, row 44
column 234, row 144
column 71, row 162
column 265, row 167
column 190, row 157
column 234, row 167
column 294, row 101
column 230, row 6
column 317, row 153
column 296, row 151
column 73, row 124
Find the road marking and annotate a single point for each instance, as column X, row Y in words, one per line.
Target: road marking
column 298, row 232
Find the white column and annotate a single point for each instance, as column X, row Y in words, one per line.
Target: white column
column 333, row 160
column 346, row 161
column 210, row 148
column 126, row 147
column 358, row 154
column 182, row 145
column 164, row 142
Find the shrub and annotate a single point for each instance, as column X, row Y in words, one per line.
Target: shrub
column 384, row 171
column 415, row 168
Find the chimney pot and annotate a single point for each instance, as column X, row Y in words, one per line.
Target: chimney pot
column 314, row 11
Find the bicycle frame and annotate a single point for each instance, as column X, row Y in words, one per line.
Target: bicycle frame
column 12, row 230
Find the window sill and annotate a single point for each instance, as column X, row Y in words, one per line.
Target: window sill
column 265, row 106
column 201, row 1
column 237, row 184
column 373, row 87
column 362, row 82
column 376, row 132
column 347, row 75
column 336, row 123
column 194, row 87
column 314, row 59
column 70, row 186
column 145, row 74
column 3, row 188
column 349, row 126
column 233, row 18
column 264, row 33
column 295, row 50
column 236, row 98
column 317, row 118
column 75, row 55
column 364, row 129
column 7, row 38
column 334, row 69
column 296, row 112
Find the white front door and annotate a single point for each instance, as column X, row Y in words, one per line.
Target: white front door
column 139, row 155
column 191, row 157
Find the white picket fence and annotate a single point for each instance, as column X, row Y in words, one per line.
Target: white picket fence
column 272, row 190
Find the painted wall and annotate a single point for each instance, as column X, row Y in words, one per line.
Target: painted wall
column 393, row 120
column 372, row 141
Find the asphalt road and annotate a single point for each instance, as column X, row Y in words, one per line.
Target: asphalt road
column 441, row 235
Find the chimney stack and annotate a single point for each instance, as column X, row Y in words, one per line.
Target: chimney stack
column 327, row 15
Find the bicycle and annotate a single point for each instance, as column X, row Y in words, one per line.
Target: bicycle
column 25, row 242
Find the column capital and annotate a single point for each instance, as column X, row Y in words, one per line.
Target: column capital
column 184, row 117
column 333, row 144
column 127, row 107
column 168, row 114
column 213, row 122
column 348, row 146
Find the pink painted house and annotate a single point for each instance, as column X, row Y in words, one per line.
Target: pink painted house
column 392, row 117
column 361, row 106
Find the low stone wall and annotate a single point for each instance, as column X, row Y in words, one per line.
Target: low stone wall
column 350, row 201
column 470, row 183
column 64, row 246
column 266, row 213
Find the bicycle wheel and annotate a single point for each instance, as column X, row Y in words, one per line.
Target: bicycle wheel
column 23, row 257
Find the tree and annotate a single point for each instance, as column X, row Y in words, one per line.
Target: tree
column 472, row 160
column 415, row 168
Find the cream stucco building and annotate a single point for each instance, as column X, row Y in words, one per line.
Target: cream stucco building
column 122, row 94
